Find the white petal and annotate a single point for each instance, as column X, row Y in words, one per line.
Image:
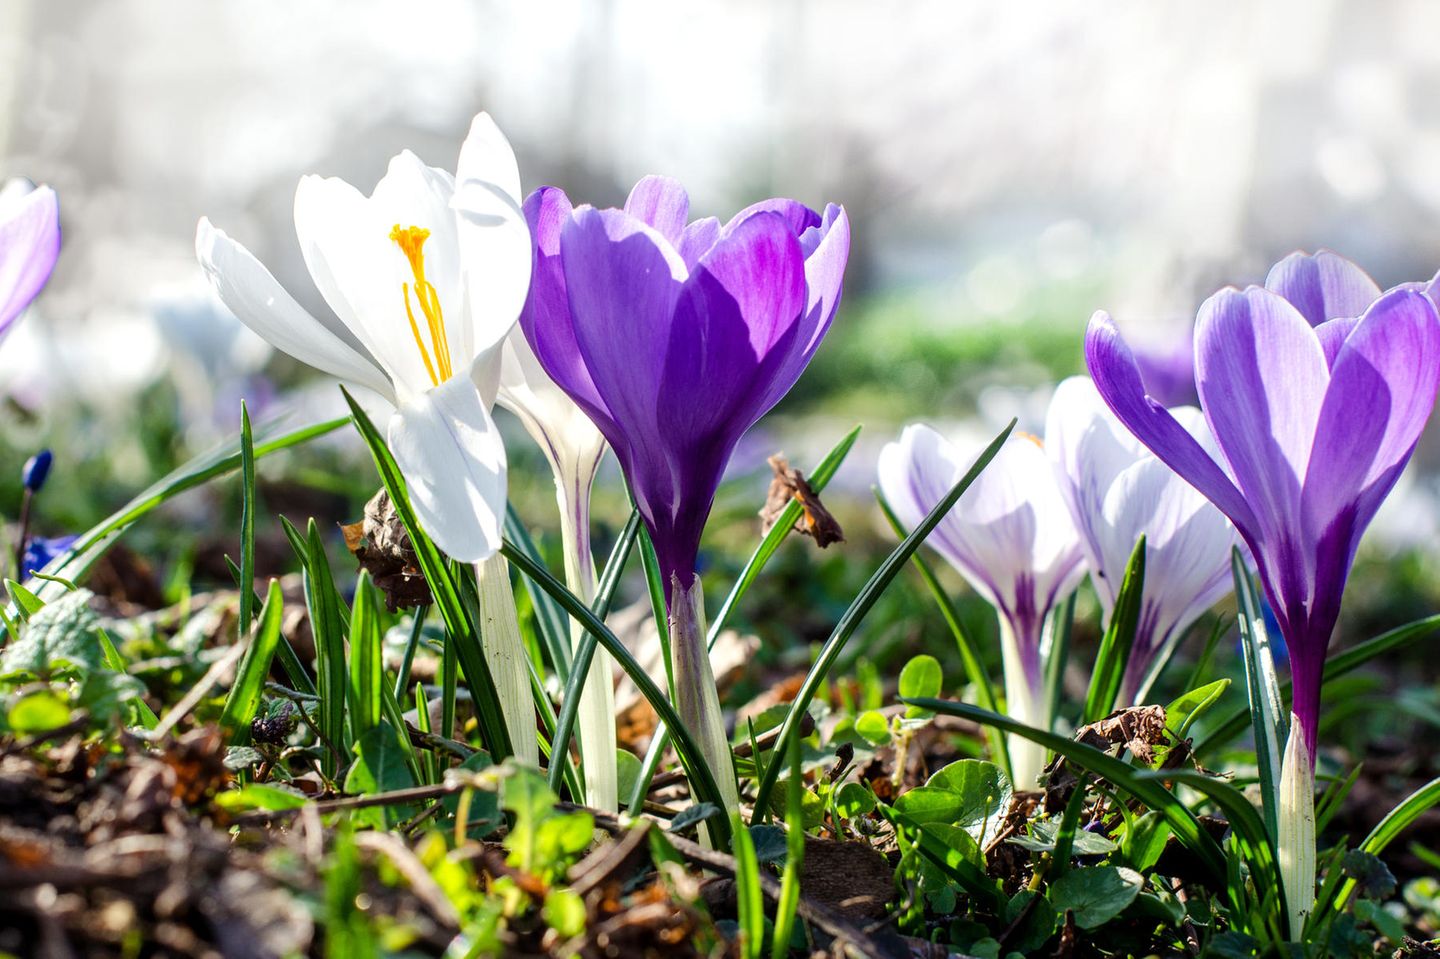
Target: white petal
column 259, row 301
column 453, row 461
column 362, row 275
column 495, row 248
column 413, row 194
column 486, row 155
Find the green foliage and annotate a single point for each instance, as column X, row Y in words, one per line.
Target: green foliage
column 1119, row 639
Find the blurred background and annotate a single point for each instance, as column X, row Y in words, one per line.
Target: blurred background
column 1009, row 168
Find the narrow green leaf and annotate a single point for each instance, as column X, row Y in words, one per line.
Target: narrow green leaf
column 366, row 661
column 1119, row 640
column 247, row 521
column 93, row 543
column 244, row 696
column 323, row 604
column 1387, row 831
column 585, row 652
column 548, row 617
column 749, row 896
column 1069, row 822
column 1181, row 714
column 794, row 856
column 1337, row 666
column 853, row 616
column 969, row 656
column 459, row 626
column 1119, row 773
column 702, row 781
column 1268, row 719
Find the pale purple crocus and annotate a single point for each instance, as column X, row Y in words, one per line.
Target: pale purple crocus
column 1012, row 538
column 1118, row 491
column 675, row 337
column 29, row 246
column 1316, row 389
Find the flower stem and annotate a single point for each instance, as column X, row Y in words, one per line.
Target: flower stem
column 1025, row 701
column 505, row 655
column 596, row 716
column 696, row 698
column 1295, row 822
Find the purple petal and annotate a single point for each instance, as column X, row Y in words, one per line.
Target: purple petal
column 1332, row 334
column 1322, row 286
column 797, row 215
column 662, row 204
column 698, row 238
column 1113, row 368
column 622, row 280
column 1262, row 378
column 546, row 316
column 737, row 316
column 1382, row 391
column 824, row 279
column 1169, row 371
column 29, row 246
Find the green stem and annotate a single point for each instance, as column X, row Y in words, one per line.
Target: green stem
column 697, row 699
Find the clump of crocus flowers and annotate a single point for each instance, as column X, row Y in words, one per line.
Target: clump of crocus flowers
column 1315, row 387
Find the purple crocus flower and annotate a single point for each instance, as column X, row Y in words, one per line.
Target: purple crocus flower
column 675, row 338
column 29, row 246
column 1316, row 388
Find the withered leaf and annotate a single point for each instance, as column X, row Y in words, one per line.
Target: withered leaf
column 382, row 547
column 815, row 520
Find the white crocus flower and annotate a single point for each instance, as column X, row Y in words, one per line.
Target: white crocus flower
column 426, row 280
column 574, row 448
column 1011, row 537
column 1118, row 491
column 427, row 276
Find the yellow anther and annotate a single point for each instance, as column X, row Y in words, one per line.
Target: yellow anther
column 411, row 240
column 1031, row 437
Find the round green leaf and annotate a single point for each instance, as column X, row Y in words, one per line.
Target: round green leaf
column 1095, row 895
column 38, row 712
column 921, row 679
column 873, row 727
column 854, row 800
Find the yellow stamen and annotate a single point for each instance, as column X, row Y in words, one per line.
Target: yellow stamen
column 1031, row 437
column 411, row 240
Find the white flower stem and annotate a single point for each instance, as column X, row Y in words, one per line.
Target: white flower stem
column 596, row 716
column 1026, row 702
column 1295, row 825
column 696, row 698
column 505, row 655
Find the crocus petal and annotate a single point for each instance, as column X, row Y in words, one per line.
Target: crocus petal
column 486, row 156
column 697, row 239
column 567, row 437
column 453, row 461
column 259, row 301
column 29, row 246
column 361, row 274
column 1382, row 391
column 662, row 204
column 1322, row 286
column 1332, row 335
column 1113, row 368
column 1262, row 378
column 797, row 216
column 824, row 281
column 494, row 239
column 622, row 279
column 546, row 319
column 742, row 301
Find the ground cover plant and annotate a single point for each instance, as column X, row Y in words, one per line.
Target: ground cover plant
column 436, row 731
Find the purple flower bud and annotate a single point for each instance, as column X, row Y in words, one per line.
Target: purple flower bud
column 37, row 468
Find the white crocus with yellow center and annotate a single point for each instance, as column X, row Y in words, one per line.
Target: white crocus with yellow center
column 426, row 278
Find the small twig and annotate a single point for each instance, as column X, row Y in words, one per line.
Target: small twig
column 426, row 889
column 200, row 690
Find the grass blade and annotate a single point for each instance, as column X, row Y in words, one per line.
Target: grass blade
column 749, row 896
column 1385, row 832
column 93, row 543
column 822, row 474
column 969, row 656
column 794, row 857
column 585, row 652
column 1268, row 717
column 459, row 626
column 1119, row 773
column 366, row 663
column 702, row 781
column 1113, row 658
column 1337, row 666
column 853, row 616
column 247, row 520
column 327, row 624
column 244, row 697
column 548, row 618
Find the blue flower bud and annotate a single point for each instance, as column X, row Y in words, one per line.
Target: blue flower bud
column 37, row 468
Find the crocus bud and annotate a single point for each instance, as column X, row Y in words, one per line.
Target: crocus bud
column 37, row 468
